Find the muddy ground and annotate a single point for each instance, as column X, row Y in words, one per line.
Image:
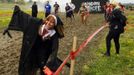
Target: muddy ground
column 10, row 48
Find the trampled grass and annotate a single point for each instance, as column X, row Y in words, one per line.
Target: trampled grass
column 122, row 64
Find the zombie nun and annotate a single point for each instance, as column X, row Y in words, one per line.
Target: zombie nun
column 40, row 40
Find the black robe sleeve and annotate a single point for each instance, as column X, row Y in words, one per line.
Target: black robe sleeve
column 29, row 25
column 20, row 20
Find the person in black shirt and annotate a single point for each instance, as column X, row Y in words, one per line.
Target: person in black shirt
column 116, row 21
column 34, row 10
column 68, row 10
column 56, row 8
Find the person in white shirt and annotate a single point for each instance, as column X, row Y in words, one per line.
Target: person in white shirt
column 72, row 8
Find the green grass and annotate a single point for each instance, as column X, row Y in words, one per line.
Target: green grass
column 122, row 64
column 130, row 16
column 6, row 11
column 5, row 14
column 5, row 17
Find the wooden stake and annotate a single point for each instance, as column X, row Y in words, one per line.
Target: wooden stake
column 73, row 61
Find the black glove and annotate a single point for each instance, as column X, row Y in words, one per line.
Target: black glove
column 7, row 32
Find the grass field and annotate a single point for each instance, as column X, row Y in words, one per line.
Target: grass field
column 91, row 62
column 122, row 64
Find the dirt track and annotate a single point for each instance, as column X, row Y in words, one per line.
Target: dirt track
column 9, row 53
column 10, row 48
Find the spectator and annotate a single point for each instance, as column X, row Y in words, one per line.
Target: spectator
column 34, row 10
column 68, row 10
column 47, row 9
column 56, row 7
column 73, row 8
column 84, row 13
column 116, row 21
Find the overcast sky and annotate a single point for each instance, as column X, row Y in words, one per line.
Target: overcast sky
column 125, row 1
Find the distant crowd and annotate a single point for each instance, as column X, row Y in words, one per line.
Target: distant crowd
column 69, row 9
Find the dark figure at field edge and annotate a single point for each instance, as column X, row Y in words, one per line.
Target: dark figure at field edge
column 56, row 8
column 34, row 9
column 69, row 13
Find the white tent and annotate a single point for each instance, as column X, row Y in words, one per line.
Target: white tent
column 62, row 4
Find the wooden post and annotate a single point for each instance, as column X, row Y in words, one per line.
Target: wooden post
column 73, row 61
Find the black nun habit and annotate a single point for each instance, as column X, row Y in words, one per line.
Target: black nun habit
column 35, row 52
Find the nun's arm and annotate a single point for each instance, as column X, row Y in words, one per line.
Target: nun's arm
column 21, row 21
